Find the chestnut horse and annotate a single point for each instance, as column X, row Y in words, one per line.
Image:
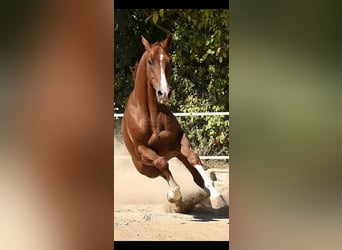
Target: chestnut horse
column 151, row 132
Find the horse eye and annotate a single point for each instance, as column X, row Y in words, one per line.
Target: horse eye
column 149, row 61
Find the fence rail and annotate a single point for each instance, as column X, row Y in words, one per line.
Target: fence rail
column 204, row 157
column 117, row 115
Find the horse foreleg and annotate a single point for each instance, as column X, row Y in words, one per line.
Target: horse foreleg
column 149, row 156
column 192, row 161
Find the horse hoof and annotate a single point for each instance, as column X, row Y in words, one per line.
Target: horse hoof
column 174, row 196
column 217, row 202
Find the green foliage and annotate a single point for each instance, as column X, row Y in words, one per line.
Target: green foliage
column 208, row 134
column 200, row 68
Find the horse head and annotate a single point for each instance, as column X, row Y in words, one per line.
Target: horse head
column 159, row 67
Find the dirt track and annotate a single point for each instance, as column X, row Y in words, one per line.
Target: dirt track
column 141, row 210
column 151, row 222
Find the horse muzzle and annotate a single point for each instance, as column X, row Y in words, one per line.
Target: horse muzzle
column 162, row 97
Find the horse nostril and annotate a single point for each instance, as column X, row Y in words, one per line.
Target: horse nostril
column 160, row 93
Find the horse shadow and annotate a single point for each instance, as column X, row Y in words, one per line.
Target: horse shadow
column 209, row 214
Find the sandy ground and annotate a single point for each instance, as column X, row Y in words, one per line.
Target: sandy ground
column 142, row 212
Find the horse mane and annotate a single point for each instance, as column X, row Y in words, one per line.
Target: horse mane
column 134, row 70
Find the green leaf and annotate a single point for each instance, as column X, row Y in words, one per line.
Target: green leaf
column 161, row 12
column 218, row 51
column 155, row 17
column 200, row 25
column 204, row 57
column 210, row 51
column 147, row 18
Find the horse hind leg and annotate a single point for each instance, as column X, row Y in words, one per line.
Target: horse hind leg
column 193, row 163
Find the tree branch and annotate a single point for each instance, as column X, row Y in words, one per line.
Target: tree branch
column 156, row 24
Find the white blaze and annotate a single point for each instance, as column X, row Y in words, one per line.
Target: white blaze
column 163, row 82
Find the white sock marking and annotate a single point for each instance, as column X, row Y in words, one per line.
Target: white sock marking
column 174, row 192
column 208, row 183
column 172, row 184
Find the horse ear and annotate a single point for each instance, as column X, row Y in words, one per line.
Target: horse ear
column 166, row 44
column 146, row 43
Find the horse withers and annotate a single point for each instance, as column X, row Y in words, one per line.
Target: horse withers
column 152, row 133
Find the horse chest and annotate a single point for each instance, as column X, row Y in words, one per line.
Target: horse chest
column 165, row 139
column 153, row 134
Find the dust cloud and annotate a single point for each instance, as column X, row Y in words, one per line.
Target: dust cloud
column 131, row 187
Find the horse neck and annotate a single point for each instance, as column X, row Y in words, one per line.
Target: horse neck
column 144, row 92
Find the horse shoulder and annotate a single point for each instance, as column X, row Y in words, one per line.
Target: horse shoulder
column 137, row 123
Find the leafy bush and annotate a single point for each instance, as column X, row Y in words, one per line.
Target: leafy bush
column 209, row 135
